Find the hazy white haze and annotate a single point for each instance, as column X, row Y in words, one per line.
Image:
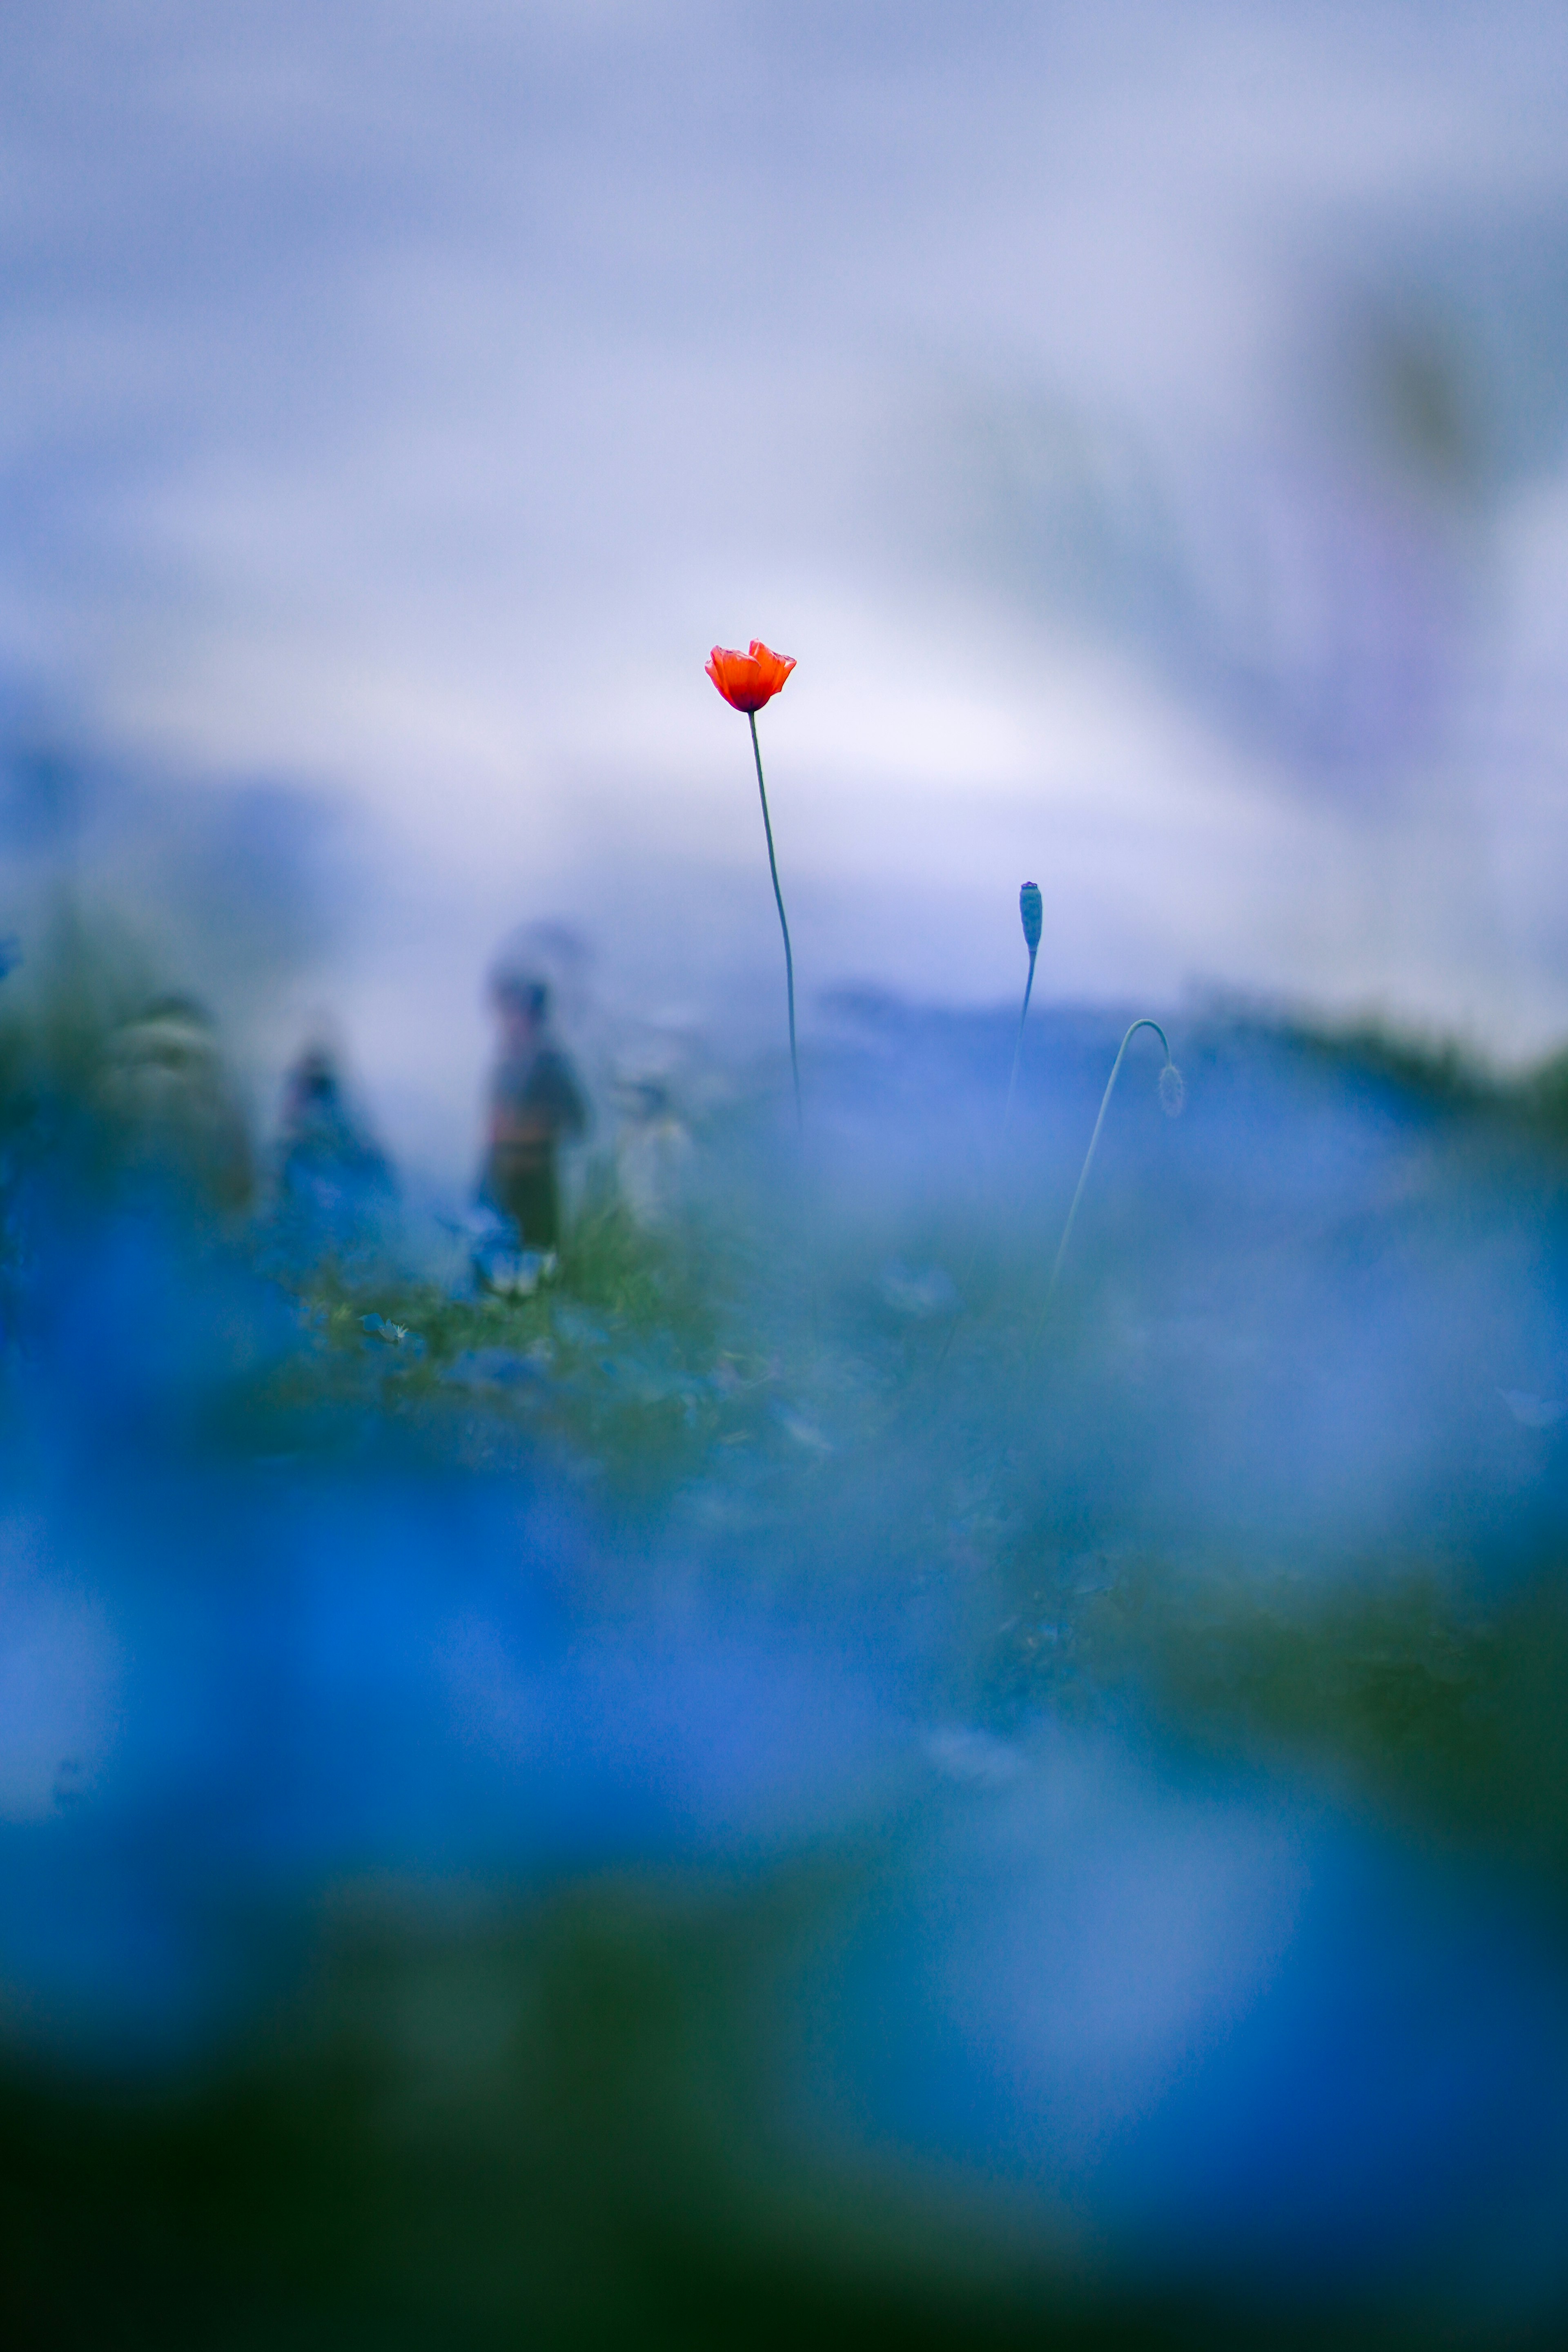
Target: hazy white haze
column 1145, row 426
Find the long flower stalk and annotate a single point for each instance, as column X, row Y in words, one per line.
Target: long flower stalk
column 747, row 681
column 783, row 925
column 1031, row 910
column 1171, row 1096
column 1031, row 913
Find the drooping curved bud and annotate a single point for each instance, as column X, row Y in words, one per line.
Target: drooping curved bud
column 1173, row 1091
column 1030, row 908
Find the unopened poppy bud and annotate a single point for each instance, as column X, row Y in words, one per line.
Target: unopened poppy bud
column 1029, row 908
column 1173, row 1091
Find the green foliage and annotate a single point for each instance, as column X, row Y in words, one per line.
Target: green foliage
column 538, row 2122
column 1389, row 1681
column 618, row 1360
column 539, row 2126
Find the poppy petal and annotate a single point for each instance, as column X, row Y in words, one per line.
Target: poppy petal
column 739, row 678
column 721, row 667
column 775, row 668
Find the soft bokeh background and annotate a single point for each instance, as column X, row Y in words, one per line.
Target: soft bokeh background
column 1145, row 426
column 798, row 1781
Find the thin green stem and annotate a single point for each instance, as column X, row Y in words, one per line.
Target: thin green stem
column 1083, row 1178
column 1023, row 1017
column 1002, row 1459
column 783, row 926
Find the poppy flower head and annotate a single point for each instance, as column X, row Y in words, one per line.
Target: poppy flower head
column 748, row 680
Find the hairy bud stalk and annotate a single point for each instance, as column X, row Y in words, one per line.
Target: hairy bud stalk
column 1173, row 1095
column 1032, row 913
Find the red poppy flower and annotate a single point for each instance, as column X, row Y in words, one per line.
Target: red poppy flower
column 748, row 680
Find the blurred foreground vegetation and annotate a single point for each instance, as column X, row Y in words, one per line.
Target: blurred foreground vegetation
column 538, row 2114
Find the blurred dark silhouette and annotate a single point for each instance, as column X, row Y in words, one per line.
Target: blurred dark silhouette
column 536, row 1103
column 330, row 1167
column 167, row 1086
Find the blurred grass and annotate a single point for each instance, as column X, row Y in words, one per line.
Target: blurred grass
column 545, row 2126
column 619, row 1364
column 1402, row 1686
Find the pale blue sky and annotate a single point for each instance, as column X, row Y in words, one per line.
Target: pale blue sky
column 1145, row 426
